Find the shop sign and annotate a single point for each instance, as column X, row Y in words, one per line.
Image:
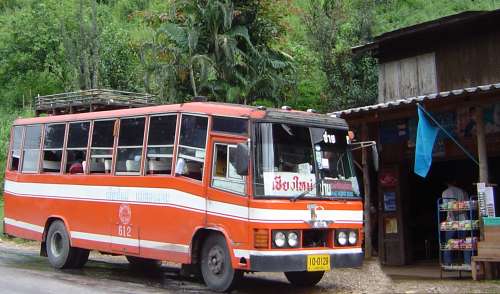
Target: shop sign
column 388, row 179
column 389, row 201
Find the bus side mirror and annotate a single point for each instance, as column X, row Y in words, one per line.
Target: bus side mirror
column 240, row 161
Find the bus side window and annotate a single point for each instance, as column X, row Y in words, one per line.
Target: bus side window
column 31, row 149
column 15, row 150
column 129, row 151
column 101, row 150
column 76, row 151
column 161, row 140
column 224, row 174
column 192, row 143
column 52, row 147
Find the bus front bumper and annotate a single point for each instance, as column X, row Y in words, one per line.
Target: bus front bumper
column 298, row 262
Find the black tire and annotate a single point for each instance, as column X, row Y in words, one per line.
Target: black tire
column 60, row 253
column 81, row 257
column 143, row 263
column 304, row 279
column 216, row 269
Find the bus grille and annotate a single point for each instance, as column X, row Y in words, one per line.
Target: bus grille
column 315, row 238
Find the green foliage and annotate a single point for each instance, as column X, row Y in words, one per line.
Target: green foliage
column 395, row 14
column 220, row 49
column 333, row 28
column 243, row 51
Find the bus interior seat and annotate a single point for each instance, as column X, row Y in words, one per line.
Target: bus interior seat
column 159, row 165
column 51, row 165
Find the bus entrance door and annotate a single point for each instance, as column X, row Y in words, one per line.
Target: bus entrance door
column 227, row 201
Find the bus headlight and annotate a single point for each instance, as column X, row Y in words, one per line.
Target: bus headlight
column 353, row 237
column 293, row 239
column 342, row 238
column 279, row 239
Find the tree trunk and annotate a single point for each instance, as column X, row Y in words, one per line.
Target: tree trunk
column 193, row 82
column 94, row 50
column 83, row 67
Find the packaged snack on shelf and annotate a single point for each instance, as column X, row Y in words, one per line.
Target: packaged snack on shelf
column 467, row 225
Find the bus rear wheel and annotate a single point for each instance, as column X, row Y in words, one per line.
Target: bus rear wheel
column 59, row 251
column 216, row 269
column 304, row 279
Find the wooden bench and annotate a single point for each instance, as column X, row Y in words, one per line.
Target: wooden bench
column 485, row 267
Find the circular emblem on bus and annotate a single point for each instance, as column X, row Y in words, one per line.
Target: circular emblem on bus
column 125, row 214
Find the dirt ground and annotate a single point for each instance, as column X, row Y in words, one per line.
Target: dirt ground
column 371, row 278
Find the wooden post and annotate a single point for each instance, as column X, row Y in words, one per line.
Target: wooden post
column 481, row 146
column 366, row 188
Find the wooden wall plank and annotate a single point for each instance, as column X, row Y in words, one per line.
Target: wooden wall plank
column 427, row 79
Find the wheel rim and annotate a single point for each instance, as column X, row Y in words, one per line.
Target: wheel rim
column 216, row 261
column 56, row 244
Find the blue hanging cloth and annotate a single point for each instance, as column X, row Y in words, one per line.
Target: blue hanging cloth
column 426, row 136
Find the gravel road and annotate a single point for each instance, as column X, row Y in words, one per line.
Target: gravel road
column 23, row 271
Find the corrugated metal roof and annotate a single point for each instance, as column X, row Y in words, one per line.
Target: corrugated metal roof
column 412, row 100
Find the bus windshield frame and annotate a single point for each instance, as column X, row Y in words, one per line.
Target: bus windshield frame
column 304, row 161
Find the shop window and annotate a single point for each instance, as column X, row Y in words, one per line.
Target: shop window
column 52, row 147
column 31, row 149
column 101, row 150
column 191, row 151
column 224, row 174
column 161, row 140
column 129, row 151
column 15, row 150
column 238, row 126
column 76, row 151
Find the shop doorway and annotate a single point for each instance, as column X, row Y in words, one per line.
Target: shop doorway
column 421, row 217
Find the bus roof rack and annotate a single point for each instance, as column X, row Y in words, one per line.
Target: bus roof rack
column 91, row 100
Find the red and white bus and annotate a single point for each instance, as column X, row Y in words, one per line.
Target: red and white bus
column 225, row 188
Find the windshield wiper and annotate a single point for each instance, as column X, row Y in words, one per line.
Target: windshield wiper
column 295, row 198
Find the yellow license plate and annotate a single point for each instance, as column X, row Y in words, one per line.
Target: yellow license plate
column 318, row 263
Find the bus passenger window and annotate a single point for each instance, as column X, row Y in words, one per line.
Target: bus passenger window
column 129, row 149
column 52, row 147
column 160, row 144
column 31, row 148
column 101, row 150
column 191, row 151
column 224, row 174
column 15, row 150
column 76, row 151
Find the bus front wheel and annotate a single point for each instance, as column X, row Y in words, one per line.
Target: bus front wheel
column 218, row 273
column 304, row 279
column 59, row 251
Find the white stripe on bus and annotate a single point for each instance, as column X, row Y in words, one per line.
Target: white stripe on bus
column 180, row 248
column 246, row 253
column 23, row 225
column 177, row 199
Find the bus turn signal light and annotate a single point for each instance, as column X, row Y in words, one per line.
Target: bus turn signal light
column 261, row 238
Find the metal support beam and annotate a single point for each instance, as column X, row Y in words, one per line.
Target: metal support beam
column 366, row 188
column 481, row 145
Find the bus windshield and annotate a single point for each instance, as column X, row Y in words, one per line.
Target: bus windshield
column 298, row 161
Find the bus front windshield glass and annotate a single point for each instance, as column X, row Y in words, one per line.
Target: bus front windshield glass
column 296, row 161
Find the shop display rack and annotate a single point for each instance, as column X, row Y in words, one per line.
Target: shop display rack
column 458, row 232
